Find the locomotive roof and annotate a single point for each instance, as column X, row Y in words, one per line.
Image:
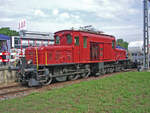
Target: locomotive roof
column 90, row 32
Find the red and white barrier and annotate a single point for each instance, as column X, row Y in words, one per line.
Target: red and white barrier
column 9, row 57
column 5, row 53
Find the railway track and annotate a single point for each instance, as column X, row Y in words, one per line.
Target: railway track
column 8, row 87
column 17, row 90
column 13, row 91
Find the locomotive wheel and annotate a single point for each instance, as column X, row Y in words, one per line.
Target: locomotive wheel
column 103, row 72
column 19, row 75
column 117, row 69
column 73, row 77
column 86, row 72
column 111, row 70
column 48, row 80
column 20, row 79
column 122, row 68
column 108, row 70
column 61, row 79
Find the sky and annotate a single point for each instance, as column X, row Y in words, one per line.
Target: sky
column 121, row 18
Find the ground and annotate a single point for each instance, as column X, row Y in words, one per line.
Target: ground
column 120, row 93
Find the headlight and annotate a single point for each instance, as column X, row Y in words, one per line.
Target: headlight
column 29, row 62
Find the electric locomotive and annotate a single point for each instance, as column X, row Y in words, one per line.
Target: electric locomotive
column 75, row 54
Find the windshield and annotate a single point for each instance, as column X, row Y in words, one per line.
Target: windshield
column 57, row 40
column 69, row 39
column 64, row 39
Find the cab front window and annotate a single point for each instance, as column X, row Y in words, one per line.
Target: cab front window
column 69, row 39
column 57, row 40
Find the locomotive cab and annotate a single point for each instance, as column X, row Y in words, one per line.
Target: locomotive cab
column 63, row 39
column 67, row 38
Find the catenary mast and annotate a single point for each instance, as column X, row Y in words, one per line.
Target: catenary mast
column 146, row 35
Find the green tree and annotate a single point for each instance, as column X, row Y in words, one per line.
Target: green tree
column 8, row 32
column 122, row 43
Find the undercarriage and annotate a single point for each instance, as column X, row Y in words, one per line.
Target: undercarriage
column 32, row 75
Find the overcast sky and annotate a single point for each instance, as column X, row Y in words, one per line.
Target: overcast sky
column 121, row 18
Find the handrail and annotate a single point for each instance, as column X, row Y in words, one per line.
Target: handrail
column 45, row 58
column 37, row 65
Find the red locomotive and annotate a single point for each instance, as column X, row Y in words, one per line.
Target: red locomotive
column 75, row 53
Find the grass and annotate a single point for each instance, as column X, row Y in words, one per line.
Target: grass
column 122, row 93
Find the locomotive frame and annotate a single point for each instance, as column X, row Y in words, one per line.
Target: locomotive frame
column 75, row 54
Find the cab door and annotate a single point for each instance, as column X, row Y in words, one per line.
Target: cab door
column 76, row 48
column 101, row 51
column 94, row 51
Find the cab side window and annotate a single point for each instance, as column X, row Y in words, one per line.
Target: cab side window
column 77, row 40
column 85, row 42
column 113, row 44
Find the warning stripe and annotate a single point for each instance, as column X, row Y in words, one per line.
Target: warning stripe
column 8, row 55
column 5, row 53
column 7, row 60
